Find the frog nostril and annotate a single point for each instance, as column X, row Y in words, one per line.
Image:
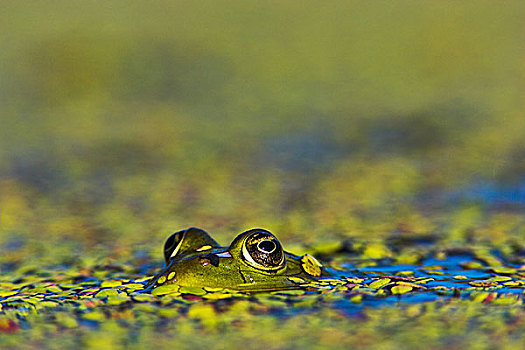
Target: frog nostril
column 266, row 246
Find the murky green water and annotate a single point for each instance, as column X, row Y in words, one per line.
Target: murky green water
column 94, row 294
column 384, row 138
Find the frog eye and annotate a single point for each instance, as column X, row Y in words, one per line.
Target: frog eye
column 172, row 245
column 187, row 242
column 263, row 251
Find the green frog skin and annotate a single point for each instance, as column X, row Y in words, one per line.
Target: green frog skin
column 254, row 261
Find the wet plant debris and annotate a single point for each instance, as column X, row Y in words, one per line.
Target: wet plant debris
column 40, row 303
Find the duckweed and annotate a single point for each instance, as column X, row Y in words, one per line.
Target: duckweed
column 383, row 139
column 366, row 293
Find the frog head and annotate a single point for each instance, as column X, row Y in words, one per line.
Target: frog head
column 254, row 261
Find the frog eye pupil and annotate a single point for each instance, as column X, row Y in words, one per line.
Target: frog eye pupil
column 261, row 249
column 266, row 246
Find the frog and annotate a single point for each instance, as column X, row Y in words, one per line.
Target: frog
column 255, row 261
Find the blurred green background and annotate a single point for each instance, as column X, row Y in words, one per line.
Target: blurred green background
column 121, row 122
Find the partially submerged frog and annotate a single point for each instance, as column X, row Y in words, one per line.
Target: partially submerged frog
column 255, row 261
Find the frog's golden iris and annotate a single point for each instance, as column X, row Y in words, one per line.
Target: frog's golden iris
column 255, row 261
column 263, row 251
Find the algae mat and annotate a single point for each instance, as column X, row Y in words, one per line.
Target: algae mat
column 384, row 138
column 468, row 298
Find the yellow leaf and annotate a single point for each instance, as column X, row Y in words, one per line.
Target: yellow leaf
column 379, row 283
column 401, row 289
